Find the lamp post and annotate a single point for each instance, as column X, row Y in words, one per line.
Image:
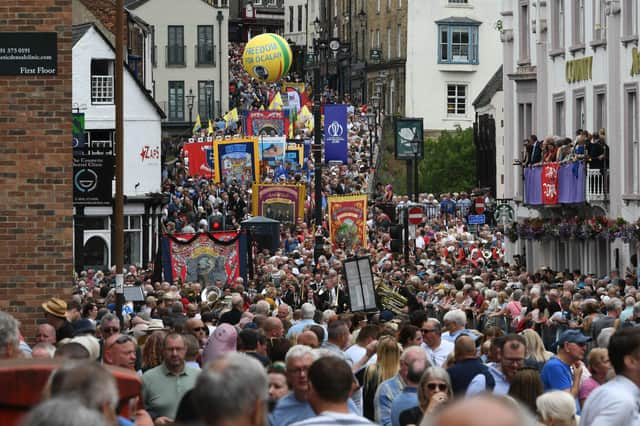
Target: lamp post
column 190, row 97
column 219, row 18
column 209, row 89
column 371, row 122
column 319, row 47
column 415, row 147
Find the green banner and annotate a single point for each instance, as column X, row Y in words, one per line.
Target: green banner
column 409, row 139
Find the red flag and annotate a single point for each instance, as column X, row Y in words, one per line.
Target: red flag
column 461, row 255
column 550, row 183
column 200, row 155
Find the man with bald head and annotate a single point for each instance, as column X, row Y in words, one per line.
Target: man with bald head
column 467, row 367
column 471, row 412
column 196, row 327
column 46, row 334
column 233, row 316
column 120, row 350
column 308, row 338
column 273, row 327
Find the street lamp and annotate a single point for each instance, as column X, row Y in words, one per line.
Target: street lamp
column 209, row 89
column 415, row 147
column 371, row 121
column 190, row 97
column 220, row 18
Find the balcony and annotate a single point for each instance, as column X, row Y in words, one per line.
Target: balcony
column 564, row 183
column 205, row 55
column 175, row 56
column 102, row 89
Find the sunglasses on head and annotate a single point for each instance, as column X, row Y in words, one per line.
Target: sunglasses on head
column 440, row 386
column 121, row 340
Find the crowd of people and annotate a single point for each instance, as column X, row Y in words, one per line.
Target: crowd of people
column 461, row 334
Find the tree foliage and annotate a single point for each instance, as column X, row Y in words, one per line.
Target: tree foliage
column 449, row 163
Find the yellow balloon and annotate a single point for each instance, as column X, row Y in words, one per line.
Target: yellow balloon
column 267, row 57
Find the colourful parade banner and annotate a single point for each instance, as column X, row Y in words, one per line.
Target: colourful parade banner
column 335, row 133
column 348, row 221
column 272, row 149
column 284, row 203
column 201, row 257
column 200, row 155
column 569, row 184
column 236, row 159
column 296, row 94
column 267, row 123
column 294, row 156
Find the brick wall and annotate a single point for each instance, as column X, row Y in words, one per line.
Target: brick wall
column 36, row 170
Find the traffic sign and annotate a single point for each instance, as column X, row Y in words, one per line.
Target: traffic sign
column 476, row 219
column 479, row 205
column 415, row 215
column 504, row 213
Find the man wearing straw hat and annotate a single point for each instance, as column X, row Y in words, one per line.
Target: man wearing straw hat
column 55, row 312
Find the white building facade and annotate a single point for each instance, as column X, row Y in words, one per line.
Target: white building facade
column 453, row 49
column 191, row 59
column 569, row 65
column 93, row 62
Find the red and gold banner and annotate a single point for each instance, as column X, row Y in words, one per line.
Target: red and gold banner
column 284, row 203
column 348, row 221
column 200, row 155
column 550, row 183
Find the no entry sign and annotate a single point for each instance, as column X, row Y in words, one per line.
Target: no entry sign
column 415, row 215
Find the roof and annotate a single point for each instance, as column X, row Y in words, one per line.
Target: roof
column 458, row 20
column 132, row 4
column 80, row 30
column 492, row 87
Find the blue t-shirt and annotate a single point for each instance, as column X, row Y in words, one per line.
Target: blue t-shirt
column 556, row 375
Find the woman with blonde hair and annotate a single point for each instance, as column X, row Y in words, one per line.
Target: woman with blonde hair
column 385, row 367
column 557, row 408
column 434, row 390
column 600, row 368
column 536, row 355
column 152, row 350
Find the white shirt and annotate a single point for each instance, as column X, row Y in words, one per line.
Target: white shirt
column 438, row 356
column 615, row 403
column 355, row 354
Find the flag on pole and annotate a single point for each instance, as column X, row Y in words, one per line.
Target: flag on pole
column 230, row 117
column 276, row 103
column 198, row 125
column 210, row 130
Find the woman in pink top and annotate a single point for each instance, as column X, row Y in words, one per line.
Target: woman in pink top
column 600, row 369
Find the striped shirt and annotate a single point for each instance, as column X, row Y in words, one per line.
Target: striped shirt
column 331, row 418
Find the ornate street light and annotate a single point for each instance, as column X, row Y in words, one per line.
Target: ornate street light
column 190, row 97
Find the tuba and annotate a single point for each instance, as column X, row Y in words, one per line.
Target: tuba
column 211, row 295
column 391, row 300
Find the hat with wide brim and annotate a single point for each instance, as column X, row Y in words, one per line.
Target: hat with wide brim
column 155, row 325
column 56, row 307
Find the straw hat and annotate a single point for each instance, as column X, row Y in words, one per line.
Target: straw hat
column 56, row 307
column 155, row 325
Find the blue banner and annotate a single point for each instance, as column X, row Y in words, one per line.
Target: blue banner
column 335, row 133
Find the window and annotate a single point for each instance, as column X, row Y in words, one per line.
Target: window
column 399, row 41
column 632, row 149
column 558, row 115
column 579, row 115
column 205, row 99
column 133, row 240
column 630, row 18
column 524, row 32
column 378, row 39
column 388, row 5
column 456, row 99
column 102, row 81
column 100, row 143
column 377, row 6
column 399, row 4
column 290, row 19
column 299, row 18
column 372, row 39
column 458, row 44
column 388, row 44
column 578, row 22
column 600, row 107
column 599, row 20
column 176, row 101
column 175, row 45
column 557, row 25
column 154, row 49
column 204, row 48
column 525, row 120
column 458, row 1
column 357, row 46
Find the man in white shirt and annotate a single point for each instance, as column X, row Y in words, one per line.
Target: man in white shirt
column 354, row 353
column 616, row 402
column 437, row 349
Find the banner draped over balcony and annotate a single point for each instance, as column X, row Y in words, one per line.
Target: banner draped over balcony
column 568, row 184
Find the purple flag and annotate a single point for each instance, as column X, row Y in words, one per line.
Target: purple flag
column 533, row 186
column 335, row 133
column 571, row 181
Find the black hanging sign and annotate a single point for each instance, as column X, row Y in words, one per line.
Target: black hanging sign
column 92, row 180
column 28, row 54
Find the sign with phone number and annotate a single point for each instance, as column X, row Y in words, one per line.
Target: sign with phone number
column 28, row 54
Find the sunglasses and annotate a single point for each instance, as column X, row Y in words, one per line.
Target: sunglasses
column 121, row 340
column 110, row 329
column 440, row 386
column 426, row 330
column 199, row 329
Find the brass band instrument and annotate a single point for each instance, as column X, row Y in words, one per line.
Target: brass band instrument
column 391, row 300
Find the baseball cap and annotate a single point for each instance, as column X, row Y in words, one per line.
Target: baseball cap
column 572, row 336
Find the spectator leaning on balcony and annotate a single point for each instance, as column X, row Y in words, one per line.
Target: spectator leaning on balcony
column 536, row 151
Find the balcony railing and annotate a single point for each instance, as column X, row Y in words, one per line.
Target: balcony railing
column 205, row 55
column 175, row 55
column 102, row 89
column 597, row 185
column 564, row 183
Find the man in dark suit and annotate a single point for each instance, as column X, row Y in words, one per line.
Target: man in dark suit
column 233, row 316
column 536, row 151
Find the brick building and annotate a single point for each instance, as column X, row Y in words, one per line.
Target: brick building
column 36, row 169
